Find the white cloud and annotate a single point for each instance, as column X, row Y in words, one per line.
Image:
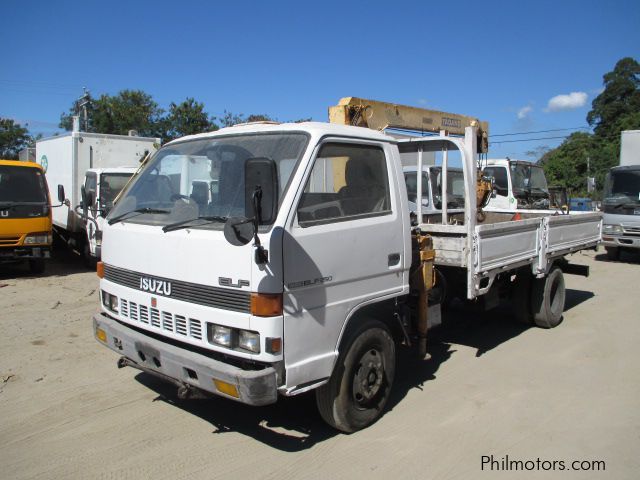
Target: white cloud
column 524, row 112
column 567, row 102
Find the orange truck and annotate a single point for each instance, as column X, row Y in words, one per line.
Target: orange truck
column 25, row 214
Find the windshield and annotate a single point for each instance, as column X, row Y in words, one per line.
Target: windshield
column 205, row 177
column 110, row 186
column 528, row 178
column 455, row 187
column 21, row 185
column 622, row 186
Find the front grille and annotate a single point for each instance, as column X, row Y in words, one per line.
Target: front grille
column 633, row 231
column 222, row 298
column 161, row 320
column 11, row 241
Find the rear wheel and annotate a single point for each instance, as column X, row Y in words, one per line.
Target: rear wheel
column 547, row 299
column 361, row 381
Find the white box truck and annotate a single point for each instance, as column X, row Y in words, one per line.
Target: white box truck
column 261, row 261
column 66, row 160
column 621, row 202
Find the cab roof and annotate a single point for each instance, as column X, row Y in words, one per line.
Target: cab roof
column 316, row 129
column 19, row 163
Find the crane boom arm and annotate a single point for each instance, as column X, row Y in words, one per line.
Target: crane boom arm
column 381, row 115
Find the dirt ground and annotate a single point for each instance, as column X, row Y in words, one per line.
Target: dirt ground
column 493, row 390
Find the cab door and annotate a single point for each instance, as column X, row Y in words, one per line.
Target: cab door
column 91, row 188
column 344, row 248
column 501, row 199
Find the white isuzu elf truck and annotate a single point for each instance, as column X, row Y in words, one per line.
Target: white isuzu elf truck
column 266, row 260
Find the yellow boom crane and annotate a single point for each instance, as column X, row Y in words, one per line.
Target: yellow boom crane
column 377, row 115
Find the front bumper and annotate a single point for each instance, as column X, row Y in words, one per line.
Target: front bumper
column 254, row 387
column 12, row 254
column 620, row 241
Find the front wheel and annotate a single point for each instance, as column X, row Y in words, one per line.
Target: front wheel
column 360, row 384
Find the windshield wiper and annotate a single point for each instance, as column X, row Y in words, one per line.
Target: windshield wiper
column 187, row 223
column 138, row 211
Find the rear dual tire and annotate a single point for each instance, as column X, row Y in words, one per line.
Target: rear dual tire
column 539, row 301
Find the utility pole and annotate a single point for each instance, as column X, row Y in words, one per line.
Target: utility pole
column 84, row 100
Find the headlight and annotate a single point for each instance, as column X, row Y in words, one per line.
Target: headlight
column 249, row 341
column 109, row 301
column 234, row 338
column 615, row 229
column 222, row 335
column 37, row 238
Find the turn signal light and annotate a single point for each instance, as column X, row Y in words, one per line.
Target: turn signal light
column 101, row 335
column 266, row 304
column 226, row 388
column 100, row 269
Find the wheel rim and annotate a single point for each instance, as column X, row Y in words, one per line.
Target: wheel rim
column 368, row 379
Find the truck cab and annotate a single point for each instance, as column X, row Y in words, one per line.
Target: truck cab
column 25, row 214
column 517, row 185
column 621, row 207
column 101, row 187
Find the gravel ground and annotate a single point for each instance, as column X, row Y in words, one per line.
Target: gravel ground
column 492, row 390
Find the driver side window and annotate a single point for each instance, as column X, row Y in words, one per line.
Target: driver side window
column 347, row 182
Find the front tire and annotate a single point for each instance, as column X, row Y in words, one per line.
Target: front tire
column 361, row 382
column 547, row 300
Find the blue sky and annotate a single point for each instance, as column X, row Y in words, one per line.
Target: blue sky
column 503, row 62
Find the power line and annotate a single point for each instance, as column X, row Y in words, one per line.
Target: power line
column 529, row 139
column 539, row 131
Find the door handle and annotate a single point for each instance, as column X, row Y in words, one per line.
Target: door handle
column 393, row 259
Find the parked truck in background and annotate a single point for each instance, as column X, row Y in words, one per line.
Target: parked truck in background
column 267, row 260
column 101, row 187
column 81, row 159
column 25, row 214
column 519, row 185
column 621, row 202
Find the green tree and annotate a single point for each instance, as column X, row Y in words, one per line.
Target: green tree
column 259, row 117
column 620, row 97
column 13, row 138
column 617, row 108
column 187, row 118
column 229, row 119
column 128, row 110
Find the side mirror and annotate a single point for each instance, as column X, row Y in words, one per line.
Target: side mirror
column 84, row 203
column 61, row 193
column 261, row 173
